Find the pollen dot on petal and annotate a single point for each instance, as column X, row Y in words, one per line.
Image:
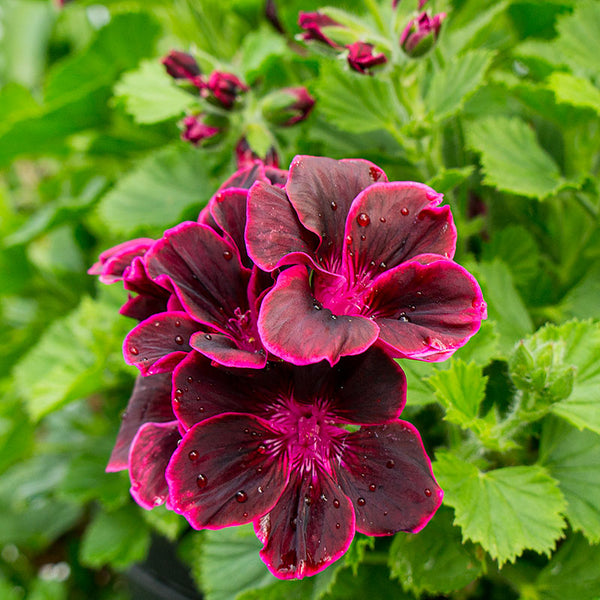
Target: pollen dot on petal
column 193, row 455
column 134, row 350
column 382, row 265
column 178, row 323
column 382, row 219
column 227, row 255
column 261, row 449
column 178, row 393
column 178, row 340
column 337, row 525
column 427, row 492
column 363, row 219
column 349, row 239
column 245, row 515
column 390, row 464
column 190, row 379
column 241, row 497
column 363, row 237
column 207, row 336
column 372, row 487
column 201, row 481
column 361, row 502
column 412, row 307
column 333, row 205
column 405, row 211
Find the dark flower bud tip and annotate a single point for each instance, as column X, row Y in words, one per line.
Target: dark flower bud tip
column 288, row 106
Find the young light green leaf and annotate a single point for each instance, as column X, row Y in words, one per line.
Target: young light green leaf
column 512, row 158
column 460, row 389
column 452, row 85
column 572, row 457
column 157, row 191
column 150, row 95
column 577, row 91
column 435, row 560
column 447, row 179
column 506, row 510
column 230, row 563
column 572, row 573
column 117, row 539
column 69, row 361
column 419, row 390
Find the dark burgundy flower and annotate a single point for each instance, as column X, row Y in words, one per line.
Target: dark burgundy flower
column 361, row 57
column 421, row 33
column 181, row 65
column 272, row 447
column 225, row 88
column 313, row 24
column 369, row 261
column 195, row 130
column 288, row 106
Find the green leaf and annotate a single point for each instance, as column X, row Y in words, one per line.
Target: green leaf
column 353, row 102
column 447, row 179
column 419, row 390
column 572, row 457
column 257, row 48
column 230, row 563
column 157, row 191
column 513, row 160
column 69, row 361
column 579, row 345
column 117, row 539
column 505, row 306
column 572, row 573
column 435, row 560
column 150, row 95
column 452, row 85
column 506, row 510
column 166, row 522
column 482, row 347
column 578, row 35
column 577, row 91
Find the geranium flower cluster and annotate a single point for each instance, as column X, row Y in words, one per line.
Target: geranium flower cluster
column 268, row 391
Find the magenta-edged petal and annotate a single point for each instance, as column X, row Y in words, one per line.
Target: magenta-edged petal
column 310, row 527
column 295, row 327
column 224, row 350
column 390, row 223
column 385, row 472
column 202, row 390
column 149, row 402
column 151, row 298
column 426, row 311
column 321, row 190
column 204, row 270
column 150, row 453
column 113, row 262
column 273, row 230
column 159, row 343
column 245, row 177
column 226, row 472
column 366, row 389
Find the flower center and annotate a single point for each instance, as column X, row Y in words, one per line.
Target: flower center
column 243, row 329
column 340, row 296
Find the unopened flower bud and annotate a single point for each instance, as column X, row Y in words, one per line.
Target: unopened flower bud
column 225, row 88
column 196, row 129
column 421, row 33
column 288, row 106
column 313, row 24
column 181, row 65
column 361, row 57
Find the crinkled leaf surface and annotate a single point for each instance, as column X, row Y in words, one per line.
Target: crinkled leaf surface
column 506, row 510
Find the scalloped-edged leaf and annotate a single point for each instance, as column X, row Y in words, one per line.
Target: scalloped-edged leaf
column 451, row 85
column 157, row 191
column 436, row 560
column 150, row 95
column 577, row 91
column 572, row 457
column 512, row 158
column 506, row 510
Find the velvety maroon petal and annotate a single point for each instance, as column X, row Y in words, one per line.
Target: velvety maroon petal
column 426, row 311
column 149, row 402
column 225, row 472
column 385, row 472
column 224, row 350
column 366, row 389
column 159, row 343
column 310, row 527
column 151, row 298
column 113, row 262
column 295, row 327
column 202, row 391
column 151, row 451
column 245, row 177
column 273, row 230
column 322, row 190
column 390, row 223
column 204, row 270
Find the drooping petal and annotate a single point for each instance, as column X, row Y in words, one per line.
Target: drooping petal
column 321, row 191
column 160, row 343
column 150, row 401
column 204, row 270
column 226, row 472
column 295, row 327
column 113, row 262
column 385, row 472
column 364, row 389
column 202, row 391
column 151, row 451
column 245, row 177
column 273, row 231
column 310, row 527
column 223, row 349
column 426, row 311
column 390, row 223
